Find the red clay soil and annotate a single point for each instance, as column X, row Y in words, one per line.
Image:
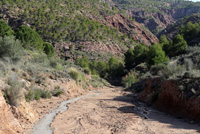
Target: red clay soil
column 170, row 99
column 8, row 123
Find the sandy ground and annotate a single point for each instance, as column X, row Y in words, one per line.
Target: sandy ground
column 117, row 112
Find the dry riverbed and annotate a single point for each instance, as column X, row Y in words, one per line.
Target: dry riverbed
column 117, row 112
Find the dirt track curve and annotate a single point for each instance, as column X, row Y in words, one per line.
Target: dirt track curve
column 117, row 112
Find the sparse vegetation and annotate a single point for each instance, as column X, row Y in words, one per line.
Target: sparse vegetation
column 36, row 94
column 76, row 75
column 129, row 79
column 10, row 47
column 13, row 92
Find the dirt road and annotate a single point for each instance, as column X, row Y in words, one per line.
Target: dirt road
column 117, row 112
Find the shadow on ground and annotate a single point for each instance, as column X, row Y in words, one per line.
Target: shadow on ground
column 150, row 114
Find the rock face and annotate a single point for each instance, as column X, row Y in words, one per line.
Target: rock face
column 132, row 28
column 152, row 20
column 168, row 96
column 9, row 124
column 160, row 20
column 173, row 30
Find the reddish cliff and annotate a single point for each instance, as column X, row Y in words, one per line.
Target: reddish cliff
column 131, row 28
column 169, row 97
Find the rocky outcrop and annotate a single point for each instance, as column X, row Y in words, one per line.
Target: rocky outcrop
column 8, row 123
column 180, row 12
column 173, row 30
column 94, row 48
column 132, row 28
column 25, row 113
column 178, row 97
column 152, row 21
column 160, row 20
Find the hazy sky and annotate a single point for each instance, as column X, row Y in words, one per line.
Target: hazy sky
column 195, row 0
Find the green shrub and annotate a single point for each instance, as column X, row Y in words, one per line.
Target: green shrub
column 87, row 71
column 30, row 95
column 45, row 94
column 10, row 47
column 83, row 62
column 159, row 69
column 5, row 96
column 3, row 68
column 129, row 59
column 163, row 40
column 136, row 56
column 71, row 47
column 179, row 45
column 129, row 79
column 54, row 63
column 5, row 29
column 57, row 92
column 97, row 81
column 156, row 55
column 48, row 49
column 13, row 92
column 36, row 94
column 76, row 75
column 29, row 38
column 101, row 68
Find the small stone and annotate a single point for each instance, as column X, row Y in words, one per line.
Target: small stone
column 193, row 91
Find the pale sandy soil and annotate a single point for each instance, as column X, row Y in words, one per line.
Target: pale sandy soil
column 117, row 112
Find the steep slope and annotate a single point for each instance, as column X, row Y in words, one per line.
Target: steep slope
column 157, row 15
column 168, row 96
column 8, row 122
column 65, row 22
column 174, row 29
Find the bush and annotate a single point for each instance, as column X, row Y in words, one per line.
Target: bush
column 57, row 92
column 36, row 94
column 5, row 29
column 10, row 47
column 13, row 92
column 97, row 81
column 179, row 45
column 29, row 38
column 101, row 68
column 129, row 59
column 136, row 56
column 48, row 49
column 83, row 62
column 76, row 75
column 156, row 55
column 87, row 71
column 129, row 79
column 160, row 70
column 163, row 40
column 3, row 68
column 54, row 64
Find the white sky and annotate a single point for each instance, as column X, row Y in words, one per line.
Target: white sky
column 195, row 0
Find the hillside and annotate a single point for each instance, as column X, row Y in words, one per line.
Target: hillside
column 81, row 23
column 155, row 14
column 192, row 30
column 54, row 52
